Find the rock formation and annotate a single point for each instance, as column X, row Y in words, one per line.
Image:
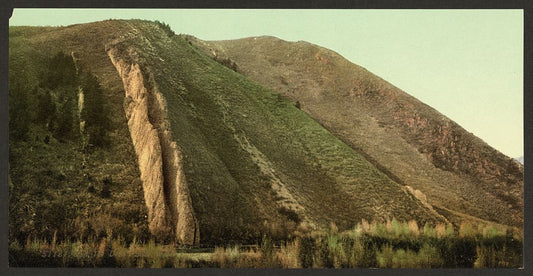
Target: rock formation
column 164, row 184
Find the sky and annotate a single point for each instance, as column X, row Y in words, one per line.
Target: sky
column 467, row 64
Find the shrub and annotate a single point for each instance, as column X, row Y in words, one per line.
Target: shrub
column 412, row 226
column 322, row 257
column 385, row 256
column 226, row 257
column 166, row 28
column 105, row 253
column 290, row 214
column 306, row 250
column 288, row 254
column 499, row 251
column 429, row 231
column 106, row 187
column 367, row 257
column 466, row 230
column 458, row 252
column 429, row 257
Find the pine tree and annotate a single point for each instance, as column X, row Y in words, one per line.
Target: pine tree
column 59, row 79
column 65, row 118
column 94, row 112
column 45, row 109
column 61, row 72
column 19, row 120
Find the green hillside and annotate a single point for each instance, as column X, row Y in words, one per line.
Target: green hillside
column 461, row 176
column 254, row 163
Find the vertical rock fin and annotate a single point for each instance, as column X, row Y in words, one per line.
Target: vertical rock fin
column 166, row 191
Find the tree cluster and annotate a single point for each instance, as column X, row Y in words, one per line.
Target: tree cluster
column 56, row 104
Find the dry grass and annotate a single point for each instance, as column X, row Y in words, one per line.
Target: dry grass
column 374, row 244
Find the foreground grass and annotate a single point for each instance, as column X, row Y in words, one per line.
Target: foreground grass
column 388, row 245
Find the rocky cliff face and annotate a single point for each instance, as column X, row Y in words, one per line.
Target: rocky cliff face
column 165, row 187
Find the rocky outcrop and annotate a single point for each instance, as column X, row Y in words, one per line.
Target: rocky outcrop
column 165, row 187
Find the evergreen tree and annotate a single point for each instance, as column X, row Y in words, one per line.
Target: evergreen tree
column 60, row 80
column 61, row 71
column 19, row 119
column 166, row 28
column 94, row 114
column 46, row 109
column 65, row 118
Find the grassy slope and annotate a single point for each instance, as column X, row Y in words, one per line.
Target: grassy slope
column 411, row 142
column 213, row 112
column 226, row 126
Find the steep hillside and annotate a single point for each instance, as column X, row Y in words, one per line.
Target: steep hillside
column 198, row 152
column 459, row 174
column 61, row 185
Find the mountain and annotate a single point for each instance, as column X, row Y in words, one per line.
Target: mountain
column 122, row 128
column 415, row 145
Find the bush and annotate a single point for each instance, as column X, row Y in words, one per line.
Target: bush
column 457, row 252
column 305, row 254
column 499, row 251
column 166, row 28
column 290, row 214
column 227, row 62
column 19, row 119
column 226, row 257
column 288, row 255
column 106, row 187
column 322, row 257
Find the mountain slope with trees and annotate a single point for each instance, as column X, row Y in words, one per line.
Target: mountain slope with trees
column 122, row 129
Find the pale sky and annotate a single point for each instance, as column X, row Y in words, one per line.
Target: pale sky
column 467, row 64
